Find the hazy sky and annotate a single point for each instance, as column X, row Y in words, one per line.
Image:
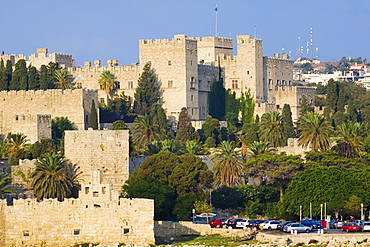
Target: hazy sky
column 110, row 29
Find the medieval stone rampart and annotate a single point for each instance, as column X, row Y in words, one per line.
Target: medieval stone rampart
column 100, row 150
column 54, row 223
column 29, row 112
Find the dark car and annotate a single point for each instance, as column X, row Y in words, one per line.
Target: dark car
column 232, row 222
column 314, row 224
column 282, row 224
column 217, row 223
column 200, row 220
column 255, row 224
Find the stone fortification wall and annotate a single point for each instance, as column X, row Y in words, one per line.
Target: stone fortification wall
column 18, row 105
column 209, row 48
column 293, row 148
column 292, row 95
column 42, row 57
column 53, row 223
column 22, row 177
column 103, row 150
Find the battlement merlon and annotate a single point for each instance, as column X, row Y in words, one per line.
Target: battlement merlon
column 177, row 38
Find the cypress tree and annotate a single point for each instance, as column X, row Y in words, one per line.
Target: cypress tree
column 33, row 79
column 332, row 95
column 185, row 130
column 44, row 77
column 52, row 67
column 232, row 108
column 19, row 78
column 216, row 100
column 159, row 119
column 288, row 127
column 341, row 98
column 93, row 117
column 3, row 81
column 147, row 92
column 8, row 73
column 305, row 106
column 352, row 112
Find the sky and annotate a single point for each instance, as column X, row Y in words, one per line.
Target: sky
column 110, row 29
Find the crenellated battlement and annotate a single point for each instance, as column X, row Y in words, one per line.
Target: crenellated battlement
column 49, row 92
column 100, row 68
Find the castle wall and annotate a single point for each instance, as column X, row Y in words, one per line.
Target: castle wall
column 103, row 150
column 209, row 48
column 53, row 223
column 21, row 111
column 245, row 71
column 292, row 95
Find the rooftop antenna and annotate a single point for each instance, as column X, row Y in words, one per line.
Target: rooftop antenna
column 311, row 43
column 216, row 21
column 298, row 53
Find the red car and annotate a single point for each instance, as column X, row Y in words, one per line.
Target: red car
column 217, row 223
column 350, row 227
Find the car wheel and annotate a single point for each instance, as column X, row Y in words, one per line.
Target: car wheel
column 307, row 230
column 269, row 228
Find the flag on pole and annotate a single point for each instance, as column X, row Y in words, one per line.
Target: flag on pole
column 216, row 8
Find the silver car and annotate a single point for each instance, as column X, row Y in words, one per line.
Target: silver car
column 296, row 227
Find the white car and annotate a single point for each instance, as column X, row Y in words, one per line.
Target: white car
column 365, row 226
column 296, row 227
column 270, row 225
column 242, row 223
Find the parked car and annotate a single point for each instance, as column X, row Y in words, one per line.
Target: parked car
column 270, row 225
column 255, row 224
column 350, row 227
column 314, row 224
column 282, row 224
column 335, row 224
column 232, row 222
column 296, row 227
column 217, row 223
column 365, row 226
column 243, row 223
column 200, row 220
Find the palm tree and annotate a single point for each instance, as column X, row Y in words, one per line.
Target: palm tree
column 271, row 129
column 16, row 142
column 107, row 82
column 227, row 167
column 51, row 179
column 194, row 147
column 5, row 184
column 259, row 147
column 64, row 79
column 351, row 137
column 315, row 132
column 144, row 132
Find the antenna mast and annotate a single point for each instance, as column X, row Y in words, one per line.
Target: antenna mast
column 216, row 34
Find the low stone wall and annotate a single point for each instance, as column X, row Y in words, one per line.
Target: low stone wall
column 167, row 229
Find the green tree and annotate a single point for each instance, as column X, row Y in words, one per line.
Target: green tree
column 58, row 126
column 15, row 143
column 185, row 130
column 33, row 79
column 159, row 119
column 271, row 129
column 5, row 183
column 331, row 185
column 227, row 198
column 119, row 125
column 93, row 123
column 287, row 122
column 63, row 79
column 216, row 99
column 305, row 106
column 331, row 97
column 8, row 73
column 232, row 108
column 19, row 77
column 247, row 105
column 276, row 169
column 194, row 147
column 191, row 175
column 315, row 132
column 227, row 167
column 107, row 82
column 147, row 92
column 3, row 79
column 44, row 83
column 351, row 139
column 259, row 147
column 50, row 178
column 144, row 132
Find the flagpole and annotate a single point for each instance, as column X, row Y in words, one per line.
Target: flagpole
column 216, row 22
